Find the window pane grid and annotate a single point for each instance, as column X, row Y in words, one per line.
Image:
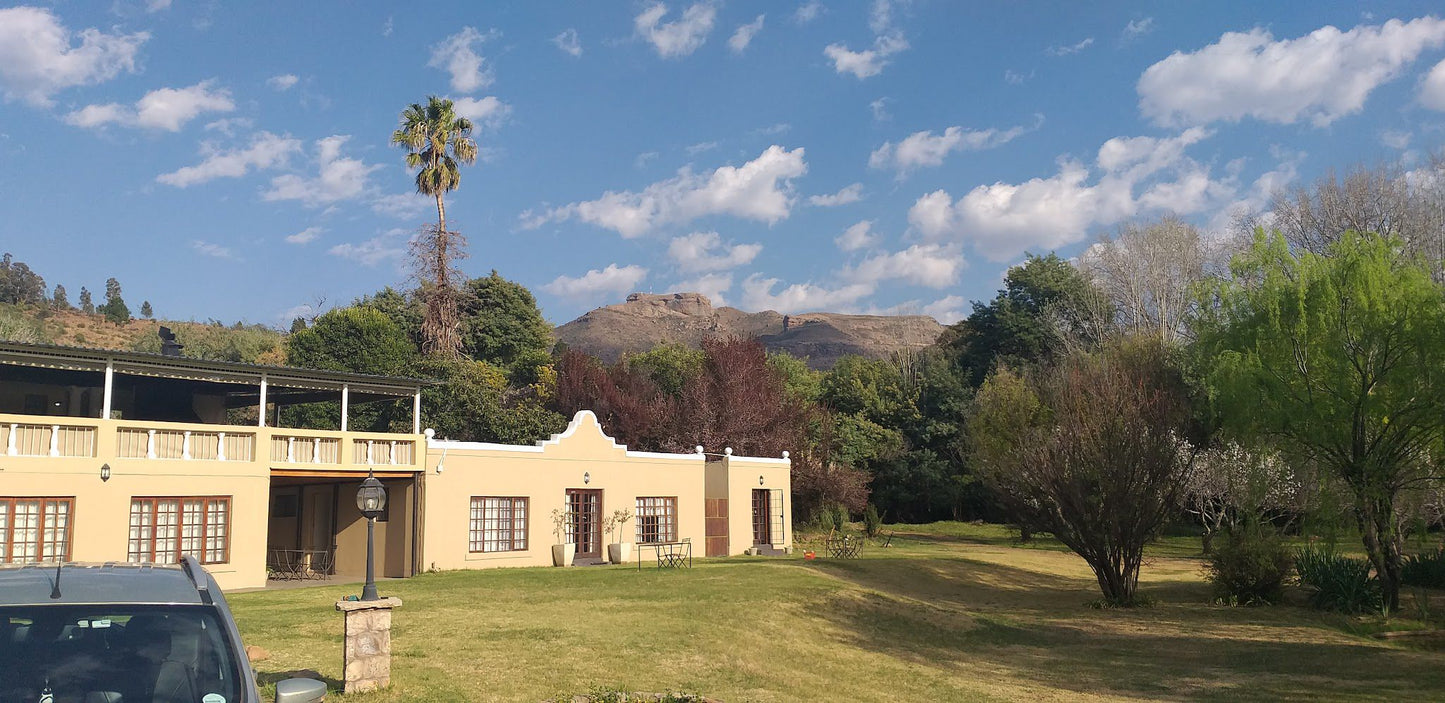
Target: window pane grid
column 163, row 529
column 35, row 529
column 656, row 520
column 497, row 524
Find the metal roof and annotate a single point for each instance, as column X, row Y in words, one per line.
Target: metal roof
column 32, row 584
column 160, row 365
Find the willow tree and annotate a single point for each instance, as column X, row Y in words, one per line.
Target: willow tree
column 1338, row 357
column 437, row 141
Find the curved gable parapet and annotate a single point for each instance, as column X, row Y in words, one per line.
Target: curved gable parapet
column 583, row 438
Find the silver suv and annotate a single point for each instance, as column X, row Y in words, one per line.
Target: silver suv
column 125, row 633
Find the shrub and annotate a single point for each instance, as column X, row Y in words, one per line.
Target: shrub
column 1248, row 567
column 1340, row 583
column 1427, row 570
column 871, row 520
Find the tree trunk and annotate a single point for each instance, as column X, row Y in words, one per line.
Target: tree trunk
column 1208, row 540
column 1376, row 517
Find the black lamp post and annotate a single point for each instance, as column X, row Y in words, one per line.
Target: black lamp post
column 370, row 500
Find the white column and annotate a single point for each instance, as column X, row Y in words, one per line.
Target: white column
column 316, row 450
column 393, row 451
column 10, row 440
column 416, row 413
column 345, row 397
column 186, row 445
column 55, row 440
column 150, row 444
column 290, row 450
column 220, row 446
column 109, row 389
column 368, row 453
column 261, row 411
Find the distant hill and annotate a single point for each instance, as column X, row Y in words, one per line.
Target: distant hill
column 247, row 343
column 647, row 320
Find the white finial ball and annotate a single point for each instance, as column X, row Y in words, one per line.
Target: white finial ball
column 698, row 448
column 728, row 451
column 429, row 432
column 785, row 453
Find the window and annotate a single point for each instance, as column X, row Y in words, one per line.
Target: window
column 498, row 525
column 35, row 529
column 162, row 529
column 656, row 520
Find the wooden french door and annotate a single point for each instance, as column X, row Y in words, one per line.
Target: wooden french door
column 585, row 528
column 762, row 517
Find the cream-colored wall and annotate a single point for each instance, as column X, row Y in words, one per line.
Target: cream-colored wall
column 742, row 479
column 543, row 475
column 100, row 522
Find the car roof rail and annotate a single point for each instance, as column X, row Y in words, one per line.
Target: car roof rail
column 193, row 570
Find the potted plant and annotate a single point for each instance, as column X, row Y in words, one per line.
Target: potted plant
column 562, row 551
column 618, row 552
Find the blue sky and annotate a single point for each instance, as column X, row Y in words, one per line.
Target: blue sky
column 230, row 160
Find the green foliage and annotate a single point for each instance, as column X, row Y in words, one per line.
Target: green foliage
column 472, row 402
column 871, row 520
column 1043, row 302
column 1340, row 358
column 832, row 518
column 87, row 306
column 1426, row 570
column 671, row 366
column 1248, row 566
column 18, row 284
column 1336, row 582
column 436, row 140
column 58, row 299
column 16, row 326
column 501, row 323
column 799, row 381
column 358, row 339
column 252, row 344
column 145, row 310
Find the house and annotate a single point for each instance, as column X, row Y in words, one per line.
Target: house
column 127, row 456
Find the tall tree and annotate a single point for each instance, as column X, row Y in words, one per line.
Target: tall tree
column 58, row 299
column 145, row 310
column 18, row 284
column 437, row 141
column 1148, row 272
column 1340, row 358
column 87, row 305
column 114, row 309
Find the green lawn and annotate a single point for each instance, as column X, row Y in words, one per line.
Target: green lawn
column 950, row 612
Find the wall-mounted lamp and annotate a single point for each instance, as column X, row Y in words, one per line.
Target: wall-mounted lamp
column 761, row 482
column 105, row 472
column 586, row 477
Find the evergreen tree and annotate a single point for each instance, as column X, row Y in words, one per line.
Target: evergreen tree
column 145, row 310
column 58, row 299
column 298, row 324
column 115, row 309
column 86, row 306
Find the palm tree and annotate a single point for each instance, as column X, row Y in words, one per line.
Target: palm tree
column 437, row 141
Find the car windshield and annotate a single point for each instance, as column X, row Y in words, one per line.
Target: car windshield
column 115, row 654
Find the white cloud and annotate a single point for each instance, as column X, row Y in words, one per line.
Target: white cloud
column 1395, row 139
column 849, row 194
column 772, row 130
column 1320, row 77
column 403, row 205
column 678, row 38
column 388, row 26
column 266, row 151
column 929, row 265
column 705, row 251
column 305, row 236
column 338, row 178
column 760, row 190
column 869, row 62
column 212, row 249
column 229, row 125
column 698, row 148
column 166, row 108
column 645, row 158
column 744, row 35
column 926, row 149
column 880, row 16
column 456, row 56
column 157, row 5
column 609, row 283
column 1138, row 28
column 1003, row 220
column 388, row 246
column 808, row 11
column 1013, row 77
column 947, row 310
column 283, row 82
column 858, row 236
column 712, row 285
column 488, row 111
column 1072, row 48
column 39, row 58
column 879, row 108
column 1432, row 88
column 800, row 297
column 568, row 42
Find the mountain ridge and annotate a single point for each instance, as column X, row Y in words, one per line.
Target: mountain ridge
column 645, row 320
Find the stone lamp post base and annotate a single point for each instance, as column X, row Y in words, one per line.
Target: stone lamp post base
column 367, row 660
